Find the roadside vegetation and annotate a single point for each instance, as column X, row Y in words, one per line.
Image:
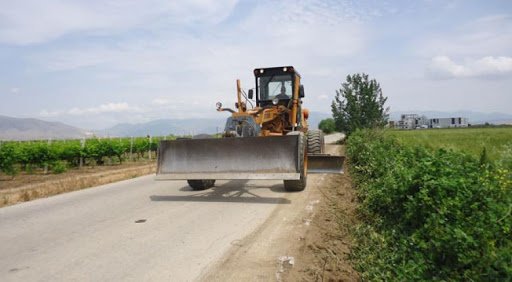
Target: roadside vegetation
column 429, row 214
column 359, row 103
column 58, row 156
column 327, row 125
column 494, row 142
column 433, row 205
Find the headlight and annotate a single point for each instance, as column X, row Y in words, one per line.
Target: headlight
column 218, row 105
column 275, row 101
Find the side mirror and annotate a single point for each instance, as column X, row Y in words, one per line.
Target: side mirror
column 301, row 91
column 250, row 94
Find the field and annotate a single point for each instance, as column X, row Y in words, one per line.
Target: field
column 468, row 140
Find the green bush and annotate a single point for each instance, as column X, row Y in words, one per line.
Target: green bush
column 429, row 214
column 9, row 155
column 59, row 167
column 327, row 125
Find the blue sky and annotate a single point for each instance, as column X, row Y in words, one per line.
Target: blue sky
column 96, row 63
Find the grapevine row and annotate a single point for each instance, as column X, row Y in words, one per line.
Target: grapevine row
column 57, row 155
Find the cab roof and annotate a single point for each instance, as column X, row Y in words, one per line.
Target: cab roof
column 275, row 70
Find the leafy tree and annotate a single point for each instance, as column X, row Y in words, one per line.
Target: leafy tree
column 359, row 104
column 327, row 125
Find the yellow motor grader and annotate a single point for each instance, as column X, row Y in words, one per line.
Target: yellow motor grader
column 265, row 140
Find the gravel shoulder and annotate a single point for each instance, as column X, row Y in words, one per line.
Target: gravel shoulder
column 307, row 240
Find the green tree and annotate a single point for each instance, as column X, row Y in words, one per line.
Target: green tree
column 359, row 104
column 327, row 125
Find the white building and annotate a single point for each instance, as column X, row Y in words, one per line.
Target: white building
column 414, row 121
column 449, row 122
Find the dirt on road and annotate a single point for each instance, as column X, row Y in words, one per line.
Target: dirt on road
column 307, row 240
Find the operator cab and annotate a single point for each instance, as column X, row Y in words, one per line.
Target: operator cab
column 275, row 85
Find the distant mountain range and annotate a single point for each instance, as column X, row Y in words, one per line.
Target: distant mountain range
column 182, row 126
column 163, row 127
column 32, row 129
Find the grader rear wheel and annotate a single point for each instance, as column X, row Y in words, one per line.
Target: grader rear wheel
column 299, row 185
column 315, row 142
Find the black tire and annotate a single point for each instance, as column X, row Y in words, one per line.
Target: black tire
column 315, row 142
column 299, row 185
column 201, row 184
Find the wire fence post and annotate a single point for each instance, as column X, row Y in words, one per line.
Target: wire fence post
column 82, row 146
column 149, row 148
column 131, row 148
column 46, row 162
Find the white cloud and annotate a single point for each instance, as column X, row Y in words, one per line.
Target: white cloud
column 15, row 90
column 104, row 108
column 34, row 21
column 476, row 38
column 160, row 101
column 101, row 109
column 202, row 67
column 323, row 97
column 46, row 113
column 444, row 67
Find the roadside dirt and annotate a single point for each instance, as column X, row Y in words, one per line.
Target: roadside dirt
column 25, row 187
column 324, row 254
column 307, row 240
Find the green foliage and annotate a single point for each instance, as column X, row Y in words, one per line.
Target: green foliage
column 429, row 214
column 468, row 140
column 61, row 154
column 327, row 125
column 59, row 167
column 9, row 155
column 359, row 104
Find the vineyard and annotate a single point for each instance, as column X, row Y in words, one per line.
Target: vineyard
column 56, row 156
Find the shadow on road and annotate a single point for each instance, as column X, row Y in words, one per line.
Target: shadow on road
column 234, row 191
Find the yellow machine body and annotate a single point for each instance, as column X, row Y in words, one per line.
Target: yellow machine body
column 270, row 140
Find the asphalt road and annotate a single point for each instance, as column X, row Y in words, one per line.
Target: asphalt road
column 133, row 230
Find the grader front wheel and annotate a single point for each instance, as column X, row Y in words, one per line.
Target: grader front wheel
column 201, row 184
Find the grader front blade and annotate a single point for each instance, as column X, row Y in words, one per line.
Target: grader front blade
column 275, row 157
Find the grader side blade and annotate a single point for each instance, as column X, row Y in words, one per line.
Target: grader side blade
column 323, row 163
column 229, row 158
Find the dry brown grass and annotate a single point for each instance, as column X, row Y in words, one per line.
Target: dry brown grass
column 67, row 182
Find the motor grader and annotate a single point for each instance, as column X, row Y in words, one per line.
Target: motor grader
column 267, row 139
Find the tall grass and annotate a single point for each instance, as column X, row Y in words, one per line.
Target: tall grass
column 467, row 140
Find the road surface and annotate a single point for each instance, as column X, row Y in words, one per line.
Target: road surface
column 139, row 230
column 131, row 230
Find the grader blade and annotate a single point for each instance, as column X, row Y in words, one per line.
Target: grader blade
column 229, row 158
column 323, row 163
